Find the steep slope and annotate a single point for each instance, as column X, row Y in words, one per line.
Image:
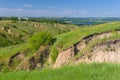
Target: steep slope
column 87, row 43
column 14, row 39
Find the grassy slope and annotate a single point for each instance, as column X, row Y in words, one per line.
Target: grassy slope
column 27, row 29
column 63, row 41
column 6, row 52
column 80, row 72
column 83, row 71
column 22, row 31
column 70, row 38
column 66, row 40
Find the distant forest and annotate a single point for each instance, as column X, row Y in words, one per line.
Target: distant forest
column 66, row 20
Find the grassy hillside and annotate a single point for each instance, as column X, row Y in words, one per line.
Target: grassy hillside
column 66, row 40
column 14, row 36
column 12, row 32
column 79, row 72
column 70, row 38
column 62, row 41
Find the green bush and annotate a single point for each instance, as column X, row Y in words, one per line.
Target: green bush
column 41, row 38
column 54, row 54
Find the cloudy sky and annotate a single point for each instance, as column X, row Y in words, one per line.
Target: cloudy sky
column 60, row 8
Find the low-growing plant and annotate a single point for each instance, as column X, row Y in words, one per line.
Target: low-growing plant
column 54, row 54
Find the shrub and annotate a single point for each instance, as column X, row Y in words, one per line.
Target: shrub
column 41, row 38
column 54, row 54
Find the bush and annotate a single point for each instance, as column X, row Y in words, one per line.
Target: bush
column 54, row 54
column 41, row 38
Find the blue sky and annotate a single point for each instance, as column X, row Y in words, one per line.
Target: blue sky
column 60, row 8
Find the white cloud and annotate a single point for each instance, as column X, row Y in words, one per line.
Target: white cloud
column 27, row 5
column 67, row 11
column 82, row 12
column 63, row 12
column 10, row 9
column 40, row 11
column 19, row 9
column 107, row 13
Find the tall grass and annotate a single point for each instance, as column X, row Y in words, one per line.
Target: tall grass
column 79, row 72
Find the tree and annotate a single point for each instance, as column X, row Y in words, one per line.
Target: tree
column 14, row 18
column 41, row 38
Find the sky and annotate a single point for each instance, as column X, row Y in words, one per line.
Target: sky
column 60, row 8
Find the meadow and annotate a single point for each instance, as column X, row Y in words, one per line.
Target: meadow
column 92, row 71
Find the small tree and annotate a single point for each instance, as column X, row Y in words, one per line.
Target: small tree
column 14, row 18
column 41, row 38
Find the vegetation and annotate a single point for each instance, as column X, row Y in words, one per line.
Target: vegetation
column 12, row 33
column 15, row 36
column 41, row 38
column 64, row 41
column 84, row 72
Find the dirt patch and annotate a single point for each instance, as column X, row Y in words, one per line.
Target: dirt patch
column 106, row 52
column 18, row 56
column 64, row 57
column 36, row 61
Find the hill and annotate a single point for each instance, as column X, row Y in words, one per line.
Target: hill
column 89, row 45
column 15, row 36
column 16, row 32
column 85, row 41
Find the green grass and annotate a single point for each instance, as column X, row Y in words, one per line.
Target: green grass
column 12, row 33
column 79, row 72
column 70, row 38
column 7, row 52
column 65, row 40
column 18, row 41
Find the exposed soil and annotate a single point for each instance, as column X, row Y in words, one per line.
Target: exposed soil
column 108, row 52
column 18, row 56
column 99, row 55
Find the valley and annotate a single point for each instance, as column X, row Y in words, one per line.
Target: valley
column 34, row 48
